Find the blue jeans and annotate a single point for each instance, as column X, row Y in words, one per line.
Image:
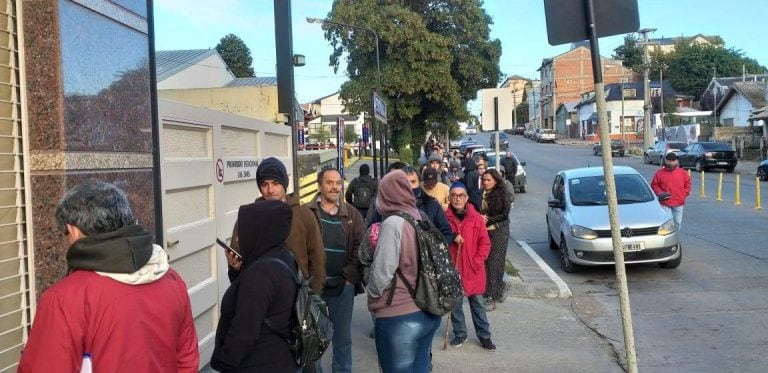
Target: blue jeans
column 479, row 318
column 340, row 311
column 677, row 214
column 403, row 342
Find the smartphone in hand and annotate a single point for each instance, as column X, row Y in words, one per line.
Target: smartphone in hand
column 226, row 247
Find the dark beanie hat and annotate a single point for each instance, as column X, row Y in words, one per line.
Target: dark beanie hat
column 272, row 169
column 365, row 169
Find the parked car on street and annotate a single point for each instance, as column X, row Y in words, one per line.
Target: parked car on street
column 656, row 153
column 503, row 141
column 762, row 170
column 519, row 129
column 577, row 220
column 617, row 148
column 465, row 144
column 471, row 130
column 520, row 176
column 544, row 135
column 705, row 155
column 454, row 144
column 528, row 133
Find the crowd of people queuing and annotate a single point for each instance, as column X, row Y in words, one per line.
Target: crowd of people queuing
column 137, row 295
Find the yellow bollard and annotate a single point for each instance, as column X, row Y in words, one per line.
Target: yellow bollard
column 758, row 204
column 703, row 193
column 738, row 193
column 720, row 188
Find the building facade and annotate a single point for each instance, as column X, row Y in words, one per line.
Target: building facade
column 564, row 78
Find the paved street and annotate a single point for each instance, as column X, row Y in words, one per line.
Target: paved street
column 710, row 314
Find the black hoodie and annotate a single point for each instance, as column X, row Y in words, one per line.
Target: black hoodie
column 263, row 289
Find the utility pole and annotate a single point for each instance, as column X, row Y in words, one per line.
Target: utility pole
column 647, row 135
column 714, row 80
column 661, row 104
column 286, row 91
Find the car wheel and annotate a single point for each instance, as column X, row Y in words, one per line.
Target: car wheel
column 565, row 260
column 699, row 166
column 661, row 160
column 647, row 159
column 594, row 151
column 762, row 174
column 729, row 170
column 621, row 154
column 522, row 188
column 675, row 262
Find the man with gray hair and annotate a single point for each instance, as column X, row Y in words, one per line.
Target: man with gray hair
column 121, row 306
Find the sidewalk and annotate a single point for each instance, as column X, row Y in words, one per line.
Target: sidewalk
column 535, row 330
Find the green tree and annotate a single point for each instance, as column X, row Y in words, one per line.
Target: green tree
column 631, row 53
column 350, row 135
column 689, row 68
column 237, row 55
column 521, row 113
column 434, row 55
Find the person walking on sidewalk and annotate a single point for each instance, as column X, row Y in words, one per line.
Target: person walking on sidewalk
column 673, row 185
column 469, row 251
column 495, row 210
column 342, row 230
column 403, row 331
column 362, row 190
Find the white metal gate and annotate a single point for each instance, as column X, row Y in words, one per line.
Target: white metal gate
column 208, row 171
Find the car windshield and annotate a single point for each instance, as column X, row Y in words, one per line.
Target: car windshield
column 716, row 146
column 590, row 190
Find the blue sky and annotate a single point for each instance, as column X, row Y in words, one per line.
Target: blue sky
column 519, row 24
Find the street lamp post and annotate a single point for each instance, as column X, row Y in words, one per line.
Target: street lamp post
column 378, row 89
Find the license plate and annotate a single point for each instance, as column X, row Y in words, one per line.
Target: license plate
column 631, row 246
column 722, row 163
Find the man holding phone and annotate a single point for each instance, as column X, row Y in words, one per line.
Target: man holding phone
column 672, row 185
column 304, row 240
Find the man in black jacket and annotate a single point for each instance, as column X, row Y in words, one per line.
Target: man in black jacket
column 510, row 167
column 362, row 190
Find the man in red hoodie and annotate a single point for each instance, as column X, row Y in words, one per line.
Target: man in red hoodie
column 673, row 185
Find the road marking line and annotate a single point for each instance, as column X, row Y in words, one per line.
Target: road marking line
column 563, row 290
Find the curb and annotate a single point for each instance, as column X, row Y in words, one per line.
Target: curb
column 536, row 279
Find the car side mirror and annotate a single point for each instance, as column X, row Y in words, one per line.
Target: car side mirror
column 522, row 163
column 555, row 203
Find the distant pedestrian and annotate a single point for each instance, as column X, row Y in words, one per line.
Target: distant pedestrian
column 672, row 185
column 495, row 208
column 261, row 290
column 473, row 179
column 403, row 331
column 362, row 190
column 454, row 171
column 469, row 251
column 509, row 166
column 120, row 303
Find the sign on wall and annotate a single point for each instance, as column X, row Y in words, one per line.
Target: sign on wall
column 235, row 169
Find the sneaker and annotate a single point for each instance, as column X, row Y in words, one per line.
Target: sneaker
column 458, row 341
column 487, row 344
column 490, row 304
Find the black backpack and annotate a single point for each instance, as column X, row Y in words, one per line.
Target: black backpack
column 311, row 328
column 438, row 287
column 363, row 193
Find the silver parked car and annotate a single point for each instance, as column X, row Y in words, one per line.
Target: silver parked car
column 577, row 220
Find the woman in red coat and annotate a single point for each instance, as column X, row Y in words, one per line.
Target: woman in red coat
column 469, row 251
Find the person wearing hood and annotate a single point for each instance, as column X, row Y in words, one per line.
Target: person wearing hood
column 403, row 331
column 121, row 303
column 469, row 251
column 261, row 290
column 304, row 239
column 454, row 171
